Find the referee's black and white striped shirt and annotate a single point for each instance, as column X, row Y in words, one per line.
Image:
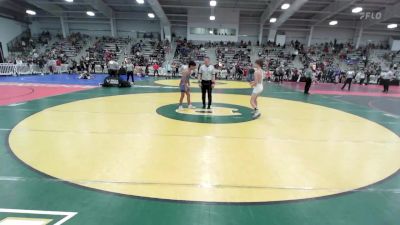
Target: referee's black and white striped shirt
column 207, row 72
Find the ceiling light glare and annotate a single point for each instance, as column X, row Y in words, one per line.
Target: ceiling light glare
column 285, row 6
column 333, row 22
column 30, row 12
column 357, row 10
column 90, row 13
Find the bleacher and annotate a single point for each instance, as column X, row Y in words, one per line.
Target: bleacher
column 26, row 46
column 107, row 48
column 147, row 52
column 233, row 55
column 230, row 57
column 65, row 49
column 186, row 51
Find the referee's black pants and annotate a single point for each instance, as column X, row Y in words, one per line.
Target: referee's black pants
column 206, row 87
column 308, row 85
column 348, row 82
column 130, row 74
column 386, row 84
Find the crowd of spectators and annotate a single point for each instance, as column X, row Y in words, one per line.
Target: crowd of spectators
column 25, row 43
column 332, row 59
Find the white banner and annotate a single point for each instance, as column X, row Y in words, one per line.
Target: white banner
column 32, row 69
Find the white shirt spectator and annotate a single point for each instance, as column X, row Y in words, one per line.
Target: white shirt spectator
column 361, row 75
column 129, row 67
column 168, row 68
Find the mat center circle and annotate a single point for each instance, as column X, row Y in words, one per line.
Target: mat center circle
column 219, row 113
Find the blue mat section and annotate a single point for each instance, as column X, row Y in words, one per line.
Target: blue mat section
column 72, row 79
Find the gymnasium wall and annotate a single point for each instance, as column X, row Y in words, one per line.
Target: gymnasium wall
column 300, row 36
column 179, row 31
column 225, row 19
column 9, row 30
column 330, row 34
column 129, row 27
column 374, row 39
column 52, row 25
column 99, row 27
column 394, row 43
column 246, row 32
column 320, row 35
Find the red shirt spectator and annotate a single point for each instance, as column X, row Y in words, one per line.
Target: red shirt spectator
column 245, row 72
column 268, row 74
column 58, row 62
column 156, row 66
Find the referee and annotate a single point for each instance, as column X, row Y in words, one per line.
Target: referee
column 310, row 73
column 349, row 79
column 207, row 81
column 386, row 76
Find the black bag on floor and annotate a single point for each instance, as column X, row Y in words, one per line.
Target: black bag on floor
column 111, row 81
column 124, row 84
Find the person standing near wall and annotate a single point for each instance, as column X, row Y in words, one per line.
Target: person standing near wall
column 146, row 70
column 177, row 69
column 367, row 75
column 349, row 79
column 102, row 64
column 386, row 76
column 206, row 81
column 173, row 69
column 309, row 74
column 361, row 76
column 155, row 68
column 93, row 66
column 129, row 71
column 168, row 68
column 2, row 58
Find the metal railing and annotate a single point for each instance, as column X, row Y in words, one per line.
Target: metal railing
column 28, row 69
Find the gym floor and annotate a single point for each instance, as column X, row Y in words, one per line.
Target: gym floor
column 74, row 153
